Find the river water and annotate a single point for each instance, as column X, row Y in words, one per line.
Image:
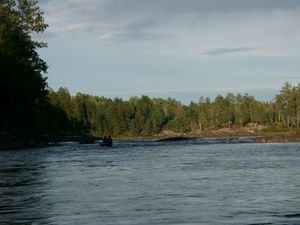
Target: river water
column 146, row 182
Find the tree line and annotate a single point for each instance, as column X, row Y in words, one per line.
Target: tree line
column 143, row 116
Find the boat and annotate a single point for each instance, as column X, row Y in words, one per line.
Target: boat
column 106, row 144
column 107, row 141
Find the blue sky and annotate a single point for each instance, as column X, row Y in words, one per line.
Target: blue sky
column 172, row 48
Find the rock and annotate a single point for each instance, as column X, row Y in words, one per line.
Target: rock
column 177, row 138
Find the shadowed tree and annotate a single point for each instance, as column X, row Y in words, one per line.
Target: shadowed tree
column 22, row 85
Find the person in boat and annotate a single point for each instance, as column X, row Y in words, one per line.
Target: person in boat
column 109, row 141
column 105, row 140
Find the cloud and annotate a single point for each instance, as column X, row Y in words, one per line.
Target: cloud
column 120, row 20
column 128, row 35
column 167, row 7
column 228, row 50
column 138, row 28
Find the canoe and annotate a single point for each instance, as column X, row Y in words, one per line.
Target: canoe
column 106, row 144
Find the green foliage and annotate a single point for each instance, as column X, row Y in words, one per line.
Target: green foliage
column 287, row 106
column 22, row 85
column 145, row 116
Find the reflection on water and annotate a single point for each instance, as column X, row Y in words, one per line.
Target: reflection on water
column 146, row 182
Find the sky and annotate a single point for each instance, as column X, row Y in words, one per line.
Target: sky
column 181, row 49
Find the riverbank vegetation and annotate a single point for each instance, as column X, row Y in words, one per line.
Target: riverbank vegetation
column 145, row 116
column 23, row 87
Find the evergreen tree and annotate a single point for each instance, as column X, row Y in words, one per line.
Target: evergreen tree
column 286, row 104
column 144, row 116
column 22, row 85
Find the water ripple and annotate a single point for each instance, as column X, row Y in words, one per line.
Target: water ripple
column 147, row 182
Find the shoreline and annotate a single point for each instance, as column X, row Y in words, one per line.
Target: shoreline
column 258, row 136
column 9, row 142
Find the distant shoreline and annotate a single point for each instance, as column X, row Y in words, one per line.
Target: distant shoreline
column 258, row 136
column 8, row 142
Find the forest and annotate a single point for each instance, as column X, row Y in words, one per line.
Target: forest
column 30, row 107
column 145, row 116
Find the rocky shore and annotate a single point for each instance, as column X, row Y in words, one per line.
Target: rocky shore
column 280, row 138
column 227, row 133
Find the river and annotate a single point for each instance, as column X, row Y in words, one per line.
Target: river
column 147, row 183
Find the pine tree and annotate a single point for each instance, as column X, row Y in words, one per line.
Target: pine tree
column 23, row 88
